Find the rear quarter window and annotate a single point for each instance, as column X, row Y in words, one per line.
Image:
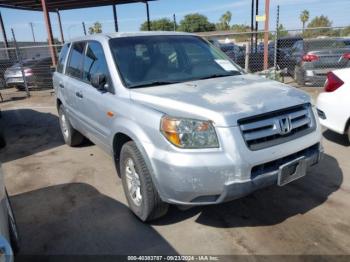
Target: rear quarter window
column 62, row 58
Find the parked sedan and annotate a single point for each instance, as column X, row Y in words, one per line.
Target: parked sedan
column 37, row 72
column 312, row 59
column 333, row 105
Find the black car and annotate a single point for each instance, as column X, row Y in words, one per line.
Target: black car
column 284, row 49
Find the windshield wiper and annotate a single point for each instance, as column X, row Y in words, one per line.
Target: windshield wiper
column 234, row 73
column 153, row 83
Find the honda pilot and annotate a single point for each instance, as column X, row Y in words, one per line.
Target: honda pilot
column 183, row 123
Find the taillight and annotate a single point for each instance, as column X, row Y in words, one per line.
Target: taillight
column 346, row 56
column 28, row 72
column 310, row 58
column 332, row 83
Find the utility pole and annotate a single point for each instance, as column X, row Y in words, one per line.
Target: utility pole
column 266, row 34
column 148, row 17
column 20, row 62
column 175, row 25
column 116, row 27
column 256, row 23
column 252, row 26
column 32, row 28
column 276, row 38
column 84, row 28
column 60, row 25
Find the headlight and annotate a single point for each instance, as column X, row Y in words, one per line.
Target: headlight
column 189, row 133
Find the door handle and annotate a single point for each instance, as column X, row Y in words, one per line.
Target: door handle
column 61, row 85
column 79, row 94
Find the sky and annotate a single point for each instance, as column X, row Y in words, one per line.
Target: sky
column 130, row 16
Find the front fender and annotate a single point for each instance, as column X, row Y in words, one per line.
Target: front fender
column 144, row 136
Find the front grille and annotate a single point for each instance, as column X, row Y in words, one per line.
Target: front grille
column 274, row 165
column 277, row 127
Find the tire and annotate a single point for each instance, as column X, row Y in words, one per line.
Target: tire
column 140, row 192
column 299, row 76
column 14, row 236
column 71, row 136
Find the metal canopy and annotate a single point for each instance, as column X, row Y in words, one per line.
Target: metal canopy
column 54, row 5
column 58, row 5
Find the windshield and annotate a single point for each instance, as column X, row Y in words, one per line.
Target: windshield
column 156, row 60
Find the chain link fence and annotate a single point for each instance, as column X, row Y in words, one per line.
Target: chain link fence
column 298, row 57
column 25, row 67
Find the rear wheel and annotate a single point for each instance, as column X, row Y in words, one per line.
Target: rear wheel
column 71, row 136
column 140, row 192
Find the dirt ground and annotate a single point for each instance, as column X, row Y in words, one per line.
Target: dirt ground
column 70, row 201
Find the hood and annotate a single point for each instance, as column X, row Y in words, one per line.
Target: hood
column 222, row 100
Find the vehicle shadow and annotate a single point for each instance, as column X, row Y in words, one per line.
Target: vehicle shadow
column 272, row 205
column 336, row 138
column 76, row 219
column 28, row 132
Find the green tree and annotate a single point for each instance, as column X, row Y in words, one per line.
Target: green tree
column 163, row 24
column 345, row 31
column 282, row 32
column 96, row 28
column 317, row 22
column 225, row 20
column 196, row 23
column 304, row 17
column 240, row 29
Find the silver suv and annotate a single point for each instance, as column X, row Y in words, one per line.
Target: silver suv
column 184, row 124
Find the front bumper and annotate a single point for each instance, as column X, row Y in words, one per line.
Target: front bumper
column 331, row 115
column 202, row 177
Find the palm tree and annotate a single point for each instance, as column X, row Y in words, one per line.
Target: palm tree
column 225, row 20
column 96, row 28
column 304, row 17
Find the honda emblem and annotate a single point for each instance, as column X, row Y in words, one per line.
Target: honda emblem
column 285, row 125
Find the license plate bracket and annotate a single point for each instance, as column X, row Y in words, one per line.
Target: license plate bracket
column 291, row 171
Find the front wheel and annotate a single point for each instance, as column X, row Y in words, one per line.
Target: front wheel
column 140, row 192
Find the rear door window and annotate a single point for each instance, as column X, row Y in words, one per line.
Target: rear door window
column 74, row 67
column 62, row 58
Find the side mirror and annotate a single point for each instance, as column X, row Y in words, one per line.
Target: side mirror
column 99, row 81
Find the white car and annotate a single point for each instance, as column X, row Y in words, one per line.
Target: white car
column 333, row 106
